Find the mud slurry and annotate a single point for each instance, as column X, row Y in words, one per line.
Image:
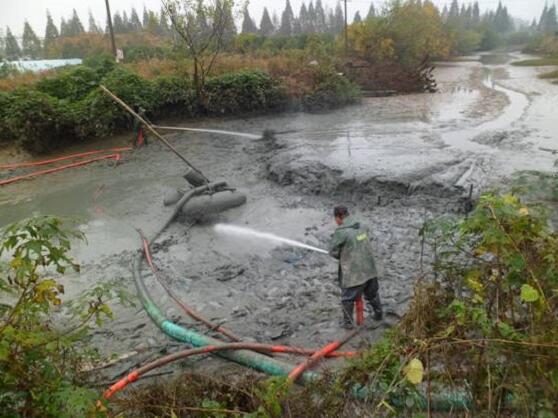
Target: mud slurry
column 395, row 162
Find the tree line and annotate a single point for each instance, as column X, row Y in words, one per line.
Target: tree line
column 472, row 29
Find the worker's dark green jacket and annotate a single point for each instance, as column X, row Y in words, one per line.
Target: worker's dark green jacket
column 350, row 244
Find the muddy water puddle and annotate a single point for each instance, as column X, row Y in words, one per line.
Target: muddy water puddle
column 394, row 161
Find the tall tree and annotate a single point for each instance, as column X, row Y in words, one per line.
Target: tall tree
column 275, row 21
column 320, row 21
column 454, row 10
column 93, row 28
column 371, row 12
column 51, row 33
column 550, row 25
column 64, row 28
column 30, row 43
column 118, row 23
column 2, row 45
column 339, row 20
column 11, row 49
column 74, row 25
column 266, row 25
column 304, row 21
column 145, row 18
column 163, row 22
column 287, row 20
column 125, row 21
column 311, row 16
column 135, row 23
column 248, row 25
column 476, row 13
column 203, row 46
column 357, row 18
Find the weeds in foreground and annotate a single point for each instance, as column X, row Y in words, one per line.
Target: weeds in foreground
column 479, row 339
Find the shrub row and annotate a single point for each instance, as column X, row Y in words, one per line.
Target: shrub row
column 69, row 106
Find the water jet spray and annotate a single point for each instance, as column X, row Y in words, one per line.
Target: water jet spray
column 241, row 231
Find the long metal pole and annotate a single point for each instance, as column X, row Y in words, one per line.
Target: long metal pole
column 111, row 30
column 151, row 129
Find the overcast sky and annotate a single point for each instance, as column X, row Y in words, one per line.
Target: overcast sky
column 14, row 12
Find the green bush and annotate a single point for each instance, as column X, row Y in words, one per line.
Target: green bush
column 333, row 90
column 6, row 133
column 245, row 91
column 101, row 63
column 72, row 84
column 174, row 95
column 40, row 358
column 99, row 115
column 39, row 122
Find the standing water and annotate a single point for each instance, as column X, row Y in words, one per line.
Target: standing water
column 242, row 232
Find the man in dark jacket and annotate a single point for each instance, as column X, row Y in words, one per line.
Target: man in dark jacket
column 358, row 275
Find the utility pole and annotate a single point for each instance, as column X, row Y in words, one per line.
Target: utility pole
column 346, row 31
column 109, row 21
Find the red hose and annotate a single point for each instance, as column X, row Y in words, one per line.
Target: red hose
column 314, row 358
column 136, row 374
column 359, row 310
column 67, row 157
column 116, row 157
column 189, row 311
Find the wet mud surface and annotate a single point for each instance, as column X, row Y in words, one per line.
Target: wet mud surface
column 395, row 162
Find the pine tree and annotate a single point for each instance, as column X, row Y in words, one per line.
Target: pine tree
column 320, row 24
column 118, row 23
column 287, row 20
column 135, row 23
column 551, row 26
column 74, row 25
column 476, row 13
column 248, row 25
column 312, row 19
column 303, row 19
column 93, row 28
column 445, row 13
column 357, row 18
column 230, row 27
column 371, row 12
column 339, row 22
column 12, row 49
column 30, row 43
column 454, row 10
column 145, row 18
column 2, row 45
column 51, row 32
column 266, row 26
column 125, row 21
column 275, row 21
column 64, row 28
column 163, row 23
column 542, row 20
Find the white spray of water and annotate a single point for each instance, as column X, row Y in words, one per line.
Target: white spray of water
column 240, row 231
column 211, row 131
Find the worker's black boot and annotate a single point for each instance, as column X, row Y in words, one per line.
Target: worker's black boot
column 348, row 308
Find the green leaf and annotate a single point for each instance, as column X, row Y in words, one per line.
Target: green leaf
column 529, row 294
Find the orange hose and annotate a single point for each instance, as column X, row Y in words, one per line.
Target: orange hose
column 116, row 157
column 314, row 358
column 67, row 157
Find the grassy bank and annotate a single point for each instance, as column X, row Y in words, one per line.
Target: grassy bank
column 67, row 106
